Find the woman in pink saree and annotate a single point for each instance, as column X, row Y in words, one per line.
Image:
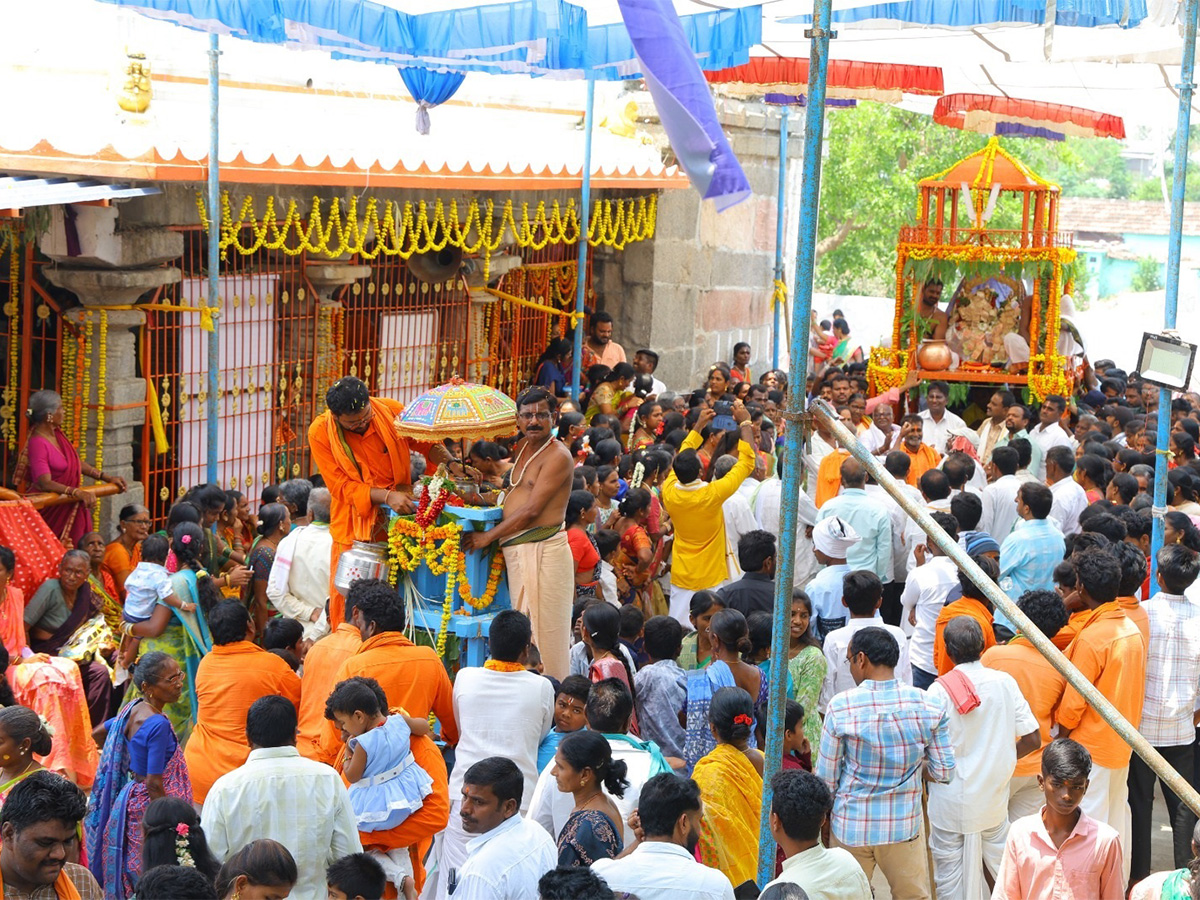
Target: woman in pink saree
column 49, row 462
column 49, row 685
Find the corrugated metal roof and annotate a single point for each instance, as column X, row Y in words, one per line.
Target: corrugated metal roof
column 24, row 191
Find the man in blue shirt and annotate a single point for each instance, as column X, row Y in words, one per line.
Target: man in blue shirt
column 832, row 540
column 867, row 517
column 1030, row 553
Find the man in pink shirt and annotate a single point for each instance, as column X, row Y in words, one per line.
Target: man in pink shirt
column 1061, row 853
column 606, row 351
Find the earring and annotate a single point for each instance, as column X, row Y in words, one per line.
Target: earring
column 6, row 757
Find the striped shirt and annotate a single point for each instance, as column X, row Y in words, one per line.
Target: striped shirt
column 878, row 741
column 1172, row 670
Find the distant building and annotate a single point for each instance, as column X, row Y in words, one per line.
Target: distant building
column 1115, row 234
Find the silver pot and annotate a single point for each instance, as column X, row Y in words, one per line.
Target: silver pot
column 362, row 560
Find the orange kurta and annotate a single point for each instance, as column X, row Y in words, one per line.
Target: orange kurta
column 378, row 458
column 321, row 665
column 412, row 677
column 920, row 462
column 964, row 606
column 829, row 476
column 1138, row 616
column 230, row 678
column 1041, row 685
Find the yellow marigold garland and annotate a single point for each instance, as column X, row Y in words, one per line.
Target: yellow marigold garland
column 85, row 391
column 101, row 395
column 408, row 229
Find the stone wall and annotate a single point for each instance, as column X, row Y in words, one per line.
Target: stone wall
column 705, row 282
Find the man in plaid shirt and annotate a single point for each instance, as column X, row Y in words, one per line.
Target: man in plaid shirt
column 879, row 740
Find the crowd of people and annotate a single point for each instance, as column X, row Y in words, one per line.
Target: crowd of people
column 197, row 711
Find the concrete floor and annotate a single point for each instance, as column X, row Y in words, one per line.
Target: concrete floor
column 1161, row 858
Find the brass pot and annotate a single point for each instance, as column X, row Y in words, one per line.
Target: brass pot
column 934, row 356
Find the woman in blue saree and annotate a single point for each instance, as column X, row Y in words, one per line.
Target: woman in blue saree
column 182, row 635
column 142, row 761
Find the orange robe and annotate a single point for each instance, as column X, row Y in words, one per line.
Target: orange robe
column 964, row 606
column 119, row 562
column 920, row 462
column 829, row 476
column 353, row 464
column 412, row 677
column 321, row 665
column 230, row 678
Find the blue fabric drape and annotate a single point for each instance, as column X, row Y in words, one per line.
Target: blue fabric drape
column 430, row 89
column 968, row 13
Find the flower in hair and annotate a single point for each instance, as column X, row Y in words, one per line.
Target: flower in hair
column 185, row 539
column 46, row 726
column 743, row 719
column 183, row 852
column 202, row 573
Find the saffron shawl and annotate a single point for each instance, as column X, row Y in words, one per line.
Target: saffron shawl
column 362, row 528
column 732, row 791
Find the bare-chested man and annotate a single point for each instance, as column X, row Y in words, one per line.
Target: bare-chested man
column 937, row 320
column 541, row 570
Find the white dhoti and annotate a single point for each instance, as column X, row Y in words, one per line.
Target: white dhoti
column 541, row 583
column 1024, row 797
column 957, row 859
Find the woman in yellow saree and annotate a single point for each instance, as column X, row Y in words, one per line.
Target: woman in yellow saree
column 730, row 779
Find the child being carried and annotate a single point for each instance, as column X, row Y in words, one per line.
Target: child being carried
column 386, row 784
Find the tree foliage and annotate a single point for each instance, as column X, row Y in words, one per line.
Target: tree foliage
column 876, row 155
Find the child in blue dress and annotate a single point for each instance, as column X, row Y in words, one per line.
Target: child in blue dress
column 386, row 784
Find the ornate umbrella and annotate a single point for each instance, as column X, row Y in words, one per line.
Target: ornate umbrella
column 457, row 410
column 991, row 115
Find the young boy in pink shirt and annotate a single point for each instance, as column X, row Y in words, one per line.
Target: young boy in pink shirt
column 1061, row 853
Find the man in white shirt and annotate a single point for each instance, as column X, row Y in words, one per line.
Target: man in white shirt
column 935, row 492
column 767, row 512
column 739, row 519
column 1048, row 432
column 506, row 855
column 1000, row 496
column 937, row 420
column 800, row 807
column 991, row 727
column 505, row 713
column 646, row 362
column 1070, row 499
column 897, row 463
column 298, row 585
column 278, row 794
column 820, row 444
column 609, row 710
column 663, row 865
column 862, row 594
column 925, row 593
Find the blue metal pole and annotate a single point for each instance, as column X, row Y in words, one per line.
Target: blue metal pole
column 1183, row 125
column 810, row 197
column 214, row 252
column 585, row 198
column 779, row 211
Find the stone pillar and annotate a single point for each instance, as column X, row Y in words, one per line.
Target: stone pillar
column 113, row 269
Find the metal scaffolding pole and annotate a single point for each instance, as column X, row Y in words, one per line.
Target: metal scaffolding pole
column 780, row 210
column 1127, row 732
column 1187, row 88
column 806, row 251
column 585, row 203
column 214, row 258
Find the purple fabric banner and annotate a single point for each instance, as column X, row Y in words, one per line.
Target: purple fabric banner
column 684, row 103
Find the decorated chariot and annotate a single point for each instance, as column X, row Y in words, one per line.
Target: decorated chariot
column 988, row 226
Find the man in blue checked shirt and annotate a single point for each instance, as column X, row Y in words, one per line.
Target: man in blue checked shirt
column 880, row 740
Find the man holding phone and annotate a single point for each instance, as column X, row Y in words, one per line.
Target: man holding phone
column 702, row 558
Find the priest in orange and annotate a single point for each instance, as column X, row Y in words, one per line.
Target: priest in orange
column 365, row 464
